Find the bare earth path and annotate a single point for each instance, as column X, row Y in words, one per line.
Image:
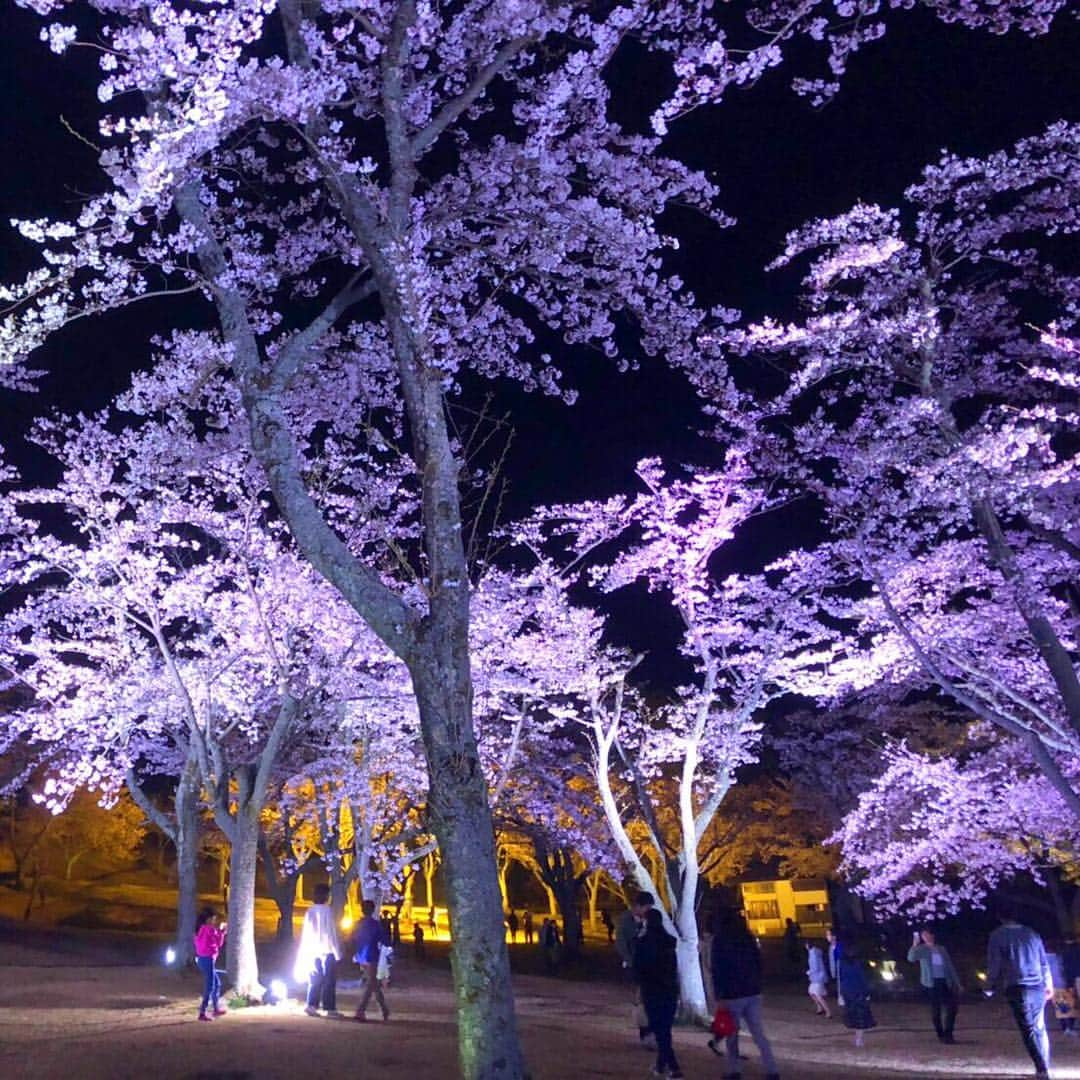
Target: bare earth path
column 72, row 1016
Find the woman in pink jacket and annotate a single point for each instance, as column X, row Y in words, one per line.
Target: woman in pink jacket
column 209, row 939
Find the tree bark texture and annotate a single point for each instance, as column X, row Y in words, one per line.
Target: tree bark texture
column 488, row 1045
column 186, row 841
column 240, row 960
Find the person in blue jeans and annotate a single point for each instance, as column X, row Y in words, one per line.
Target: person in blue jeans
column 657, row 973
column 736, row 973
column 1016, row 962
column 209, row 938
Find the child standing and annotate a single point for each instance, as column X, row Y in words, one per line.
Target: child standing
column 209, row 937
column 818, row 975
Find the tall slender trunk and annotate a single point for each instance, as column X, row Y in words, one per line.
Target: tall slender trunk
column 488, row 1045
column 504, row 891
column 431, row 864
column 186, row 841
column 593, row 884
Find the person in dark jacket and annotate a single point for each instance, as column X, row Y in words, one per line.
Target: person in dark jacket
column 657, row 974
column 736, row 974
column 627, row 932
column 370, row 935
column 856, row 992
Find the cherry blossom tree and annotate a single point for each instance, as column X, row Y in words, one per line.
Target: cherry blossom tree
column 183, row 617
column 936, row 428
column 552, row 822
column 935, row 835
column 327, row 173
column 85, row 827
column 748, row 640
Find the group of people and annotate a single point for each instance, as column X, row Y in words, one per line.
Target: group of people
column 1017, row 964
column 320, row 951
column 317, row 958
column 525, row 924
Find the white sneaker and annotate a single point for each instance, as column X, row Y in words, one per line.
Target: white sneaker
column 311, row 1011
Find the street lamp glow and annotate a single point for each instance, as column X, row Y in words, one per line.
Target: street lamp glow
column 346, row 922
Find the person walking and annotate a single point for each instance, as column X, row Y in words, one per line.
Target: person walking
column 369, row 936
column 630, row 926
column 512, row 924
column 1016, row 962
column 938, row 977
column 818, row 976
column 858, row 1016
column 318, row 955
column 418, row 940
column 527, row 926
column 209, row 939
column 736, row 975
column 549, row 945
column 657, row 974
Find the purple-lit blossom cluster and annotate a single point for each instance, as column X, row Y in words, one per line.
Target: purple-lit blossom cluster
column 934, row 424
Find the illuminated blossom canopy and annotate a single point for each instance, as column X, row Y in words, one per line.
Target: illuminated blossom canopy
column 936, row 425
column 423, row 192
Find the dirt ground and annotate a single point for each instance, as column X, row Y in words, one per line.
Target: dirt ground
column 81, row 1009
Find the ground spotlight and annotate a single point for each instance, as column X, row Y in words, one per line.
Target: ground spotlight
column 170, row 955
column 278, row 991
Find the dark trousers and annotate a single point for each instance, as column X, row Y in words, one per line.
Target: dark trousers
column 660, row 1009
column 1028, row 1004
column 211, row 982
column 943, row 1007
column 322, row 983
column 372, row 986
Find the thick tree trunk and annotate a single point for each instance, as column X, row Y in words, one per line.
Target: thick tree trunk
column 693, row 1004
column 240, row 959
column 461, row 817
column 566, row 896
column 186, row 841
column 285, row 916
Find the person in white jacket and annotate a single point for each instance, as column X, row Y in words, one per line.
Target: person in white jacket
column 318, row 955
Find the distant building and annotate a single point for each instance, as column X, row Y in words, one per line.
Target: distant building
column 769, row 903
